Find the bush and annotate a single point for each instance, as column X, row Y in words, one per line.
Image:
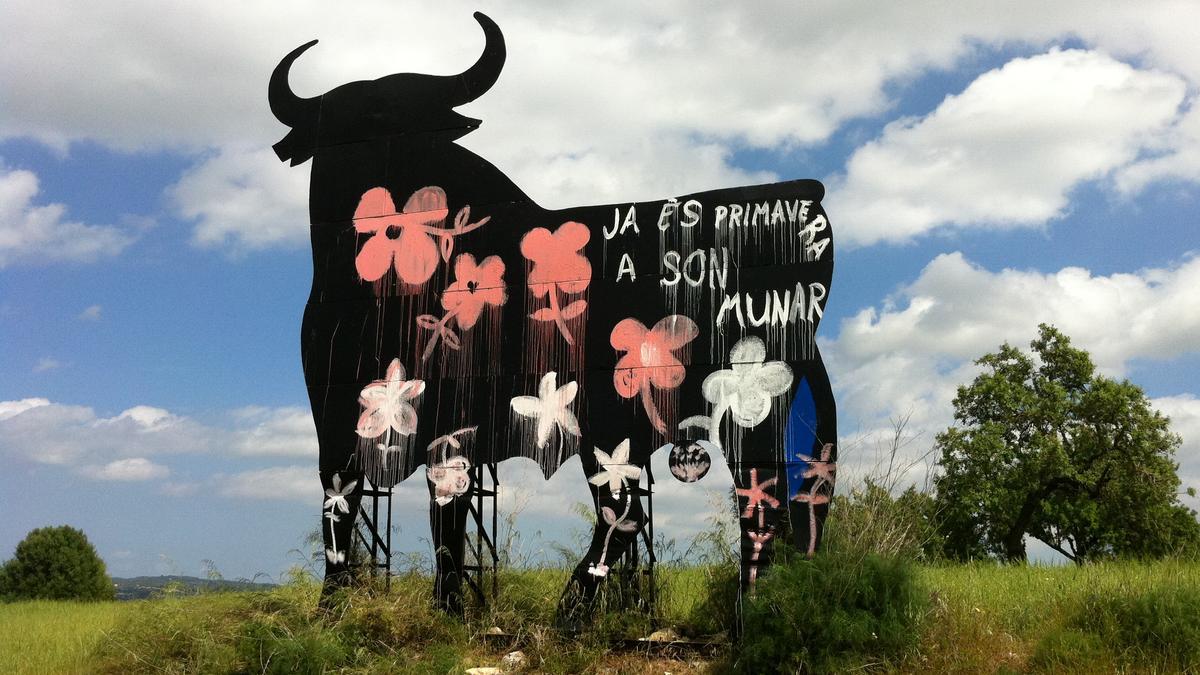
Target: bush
column 55, row 563
column 870, row 520
column 834, row 612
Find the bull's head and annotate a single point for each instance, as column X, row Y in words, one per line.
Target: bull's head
column 390, row 105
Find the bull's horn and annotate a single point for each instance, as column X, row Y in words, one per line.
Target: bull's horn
column 477, row 79
column 287, row 106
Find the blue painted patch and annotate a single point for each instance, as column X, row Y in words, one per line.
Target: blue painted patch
column 799, row 436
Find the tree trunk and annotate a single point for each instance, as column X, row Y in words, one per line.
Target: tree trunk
column 1014, row 539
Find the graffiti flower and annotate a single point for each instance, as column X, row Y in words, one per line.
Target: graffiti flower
column 757, row 496
column 615, row 468
column 450, row 477
column 746, row 388
column 650, row 359
column 335, row 500
column 615, row 522
column 335, row 497
column 558, row 266
column 386, row 404
column 549, row 408
column 824, row 471
column 475, row 287
column 405, row 240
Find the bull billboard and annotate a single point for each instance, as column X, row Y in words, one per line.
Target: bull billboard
column 453, row 321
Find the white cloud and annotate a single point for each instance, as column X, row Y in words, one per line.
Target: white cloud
column 1006, row 151
column 55, row 433
column 91, row 313
column 132, row 469
column 46, row 432
column 908, row 356
column 1176, row 157
column 246, row 199
column 33, row 233
column 12, row 408
column 598, row 102
column 281, row 482
column 146, row 417
column 958, row 310
column 275, row 431
column 47, row 363
column 1184, row 412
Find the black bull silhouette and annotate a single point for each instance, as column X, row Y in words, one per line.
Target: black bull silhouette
column 453, row 321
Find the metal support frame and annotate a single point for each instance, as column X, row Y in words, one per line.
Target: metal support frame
column 377, row 545
column 481, row 548
column 646, row 534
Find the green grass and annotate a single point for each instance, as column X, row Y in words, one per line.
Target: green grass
column 1116, row 617
column 45, row 636
column 1138, row 617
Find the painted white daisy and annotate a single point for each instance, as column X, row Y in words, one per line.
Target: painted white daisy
column 615, row 468
column 549, row 408
column 386, row 404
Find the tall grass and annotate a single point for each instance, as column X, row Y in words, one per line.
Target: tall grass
column 1103, row 617
column 44, row 636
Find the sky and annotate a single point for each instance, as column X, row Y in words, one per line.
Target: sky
column 989, row 166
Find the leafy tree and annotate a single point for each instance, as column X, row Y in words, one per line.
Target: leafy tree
column 1045, row 447
column 55, row 563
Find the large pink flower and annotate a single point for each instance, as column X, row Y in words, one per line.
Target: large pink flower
column 474, row 287
column 399, row 239
column 556, row 258
column 558, row 266
column 407, row 240
column 650, row 358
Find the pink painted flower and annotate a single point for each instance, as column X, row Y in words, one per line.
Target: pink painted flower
column 556, row 258
column 650, row 359
column 757, row 496
column 825, row 472
column 474, row 287
column 406, row 240
column 558, row 267
column 399, row 239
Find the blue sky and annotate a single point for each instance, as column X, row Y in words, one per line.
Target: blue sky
column 988, row 168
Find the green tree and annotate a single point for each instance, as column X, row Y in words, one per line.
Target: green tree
column 55, row 563
column 1045, row 447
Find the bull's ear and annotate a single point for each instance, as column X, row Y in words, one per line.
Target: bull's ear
column 295, row 147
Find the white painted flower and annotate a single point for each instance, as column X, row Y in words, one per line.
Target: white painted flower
column 450, row 477
column 549, row 408
column 615, row 468
column 386, row 404
column 746, row 388
column 335, row 497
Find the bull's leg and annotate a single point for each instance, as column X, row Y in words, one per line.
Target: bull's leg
column 447, row 522
column 619, row 517
column 343, row 493
column 762, row 513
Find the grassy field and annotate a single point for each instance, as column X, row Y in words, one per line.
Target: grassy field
column 54, row 637
column 1128, row 617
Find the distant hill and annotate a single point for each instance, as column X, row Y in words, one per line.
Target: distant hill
column 140, row 588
